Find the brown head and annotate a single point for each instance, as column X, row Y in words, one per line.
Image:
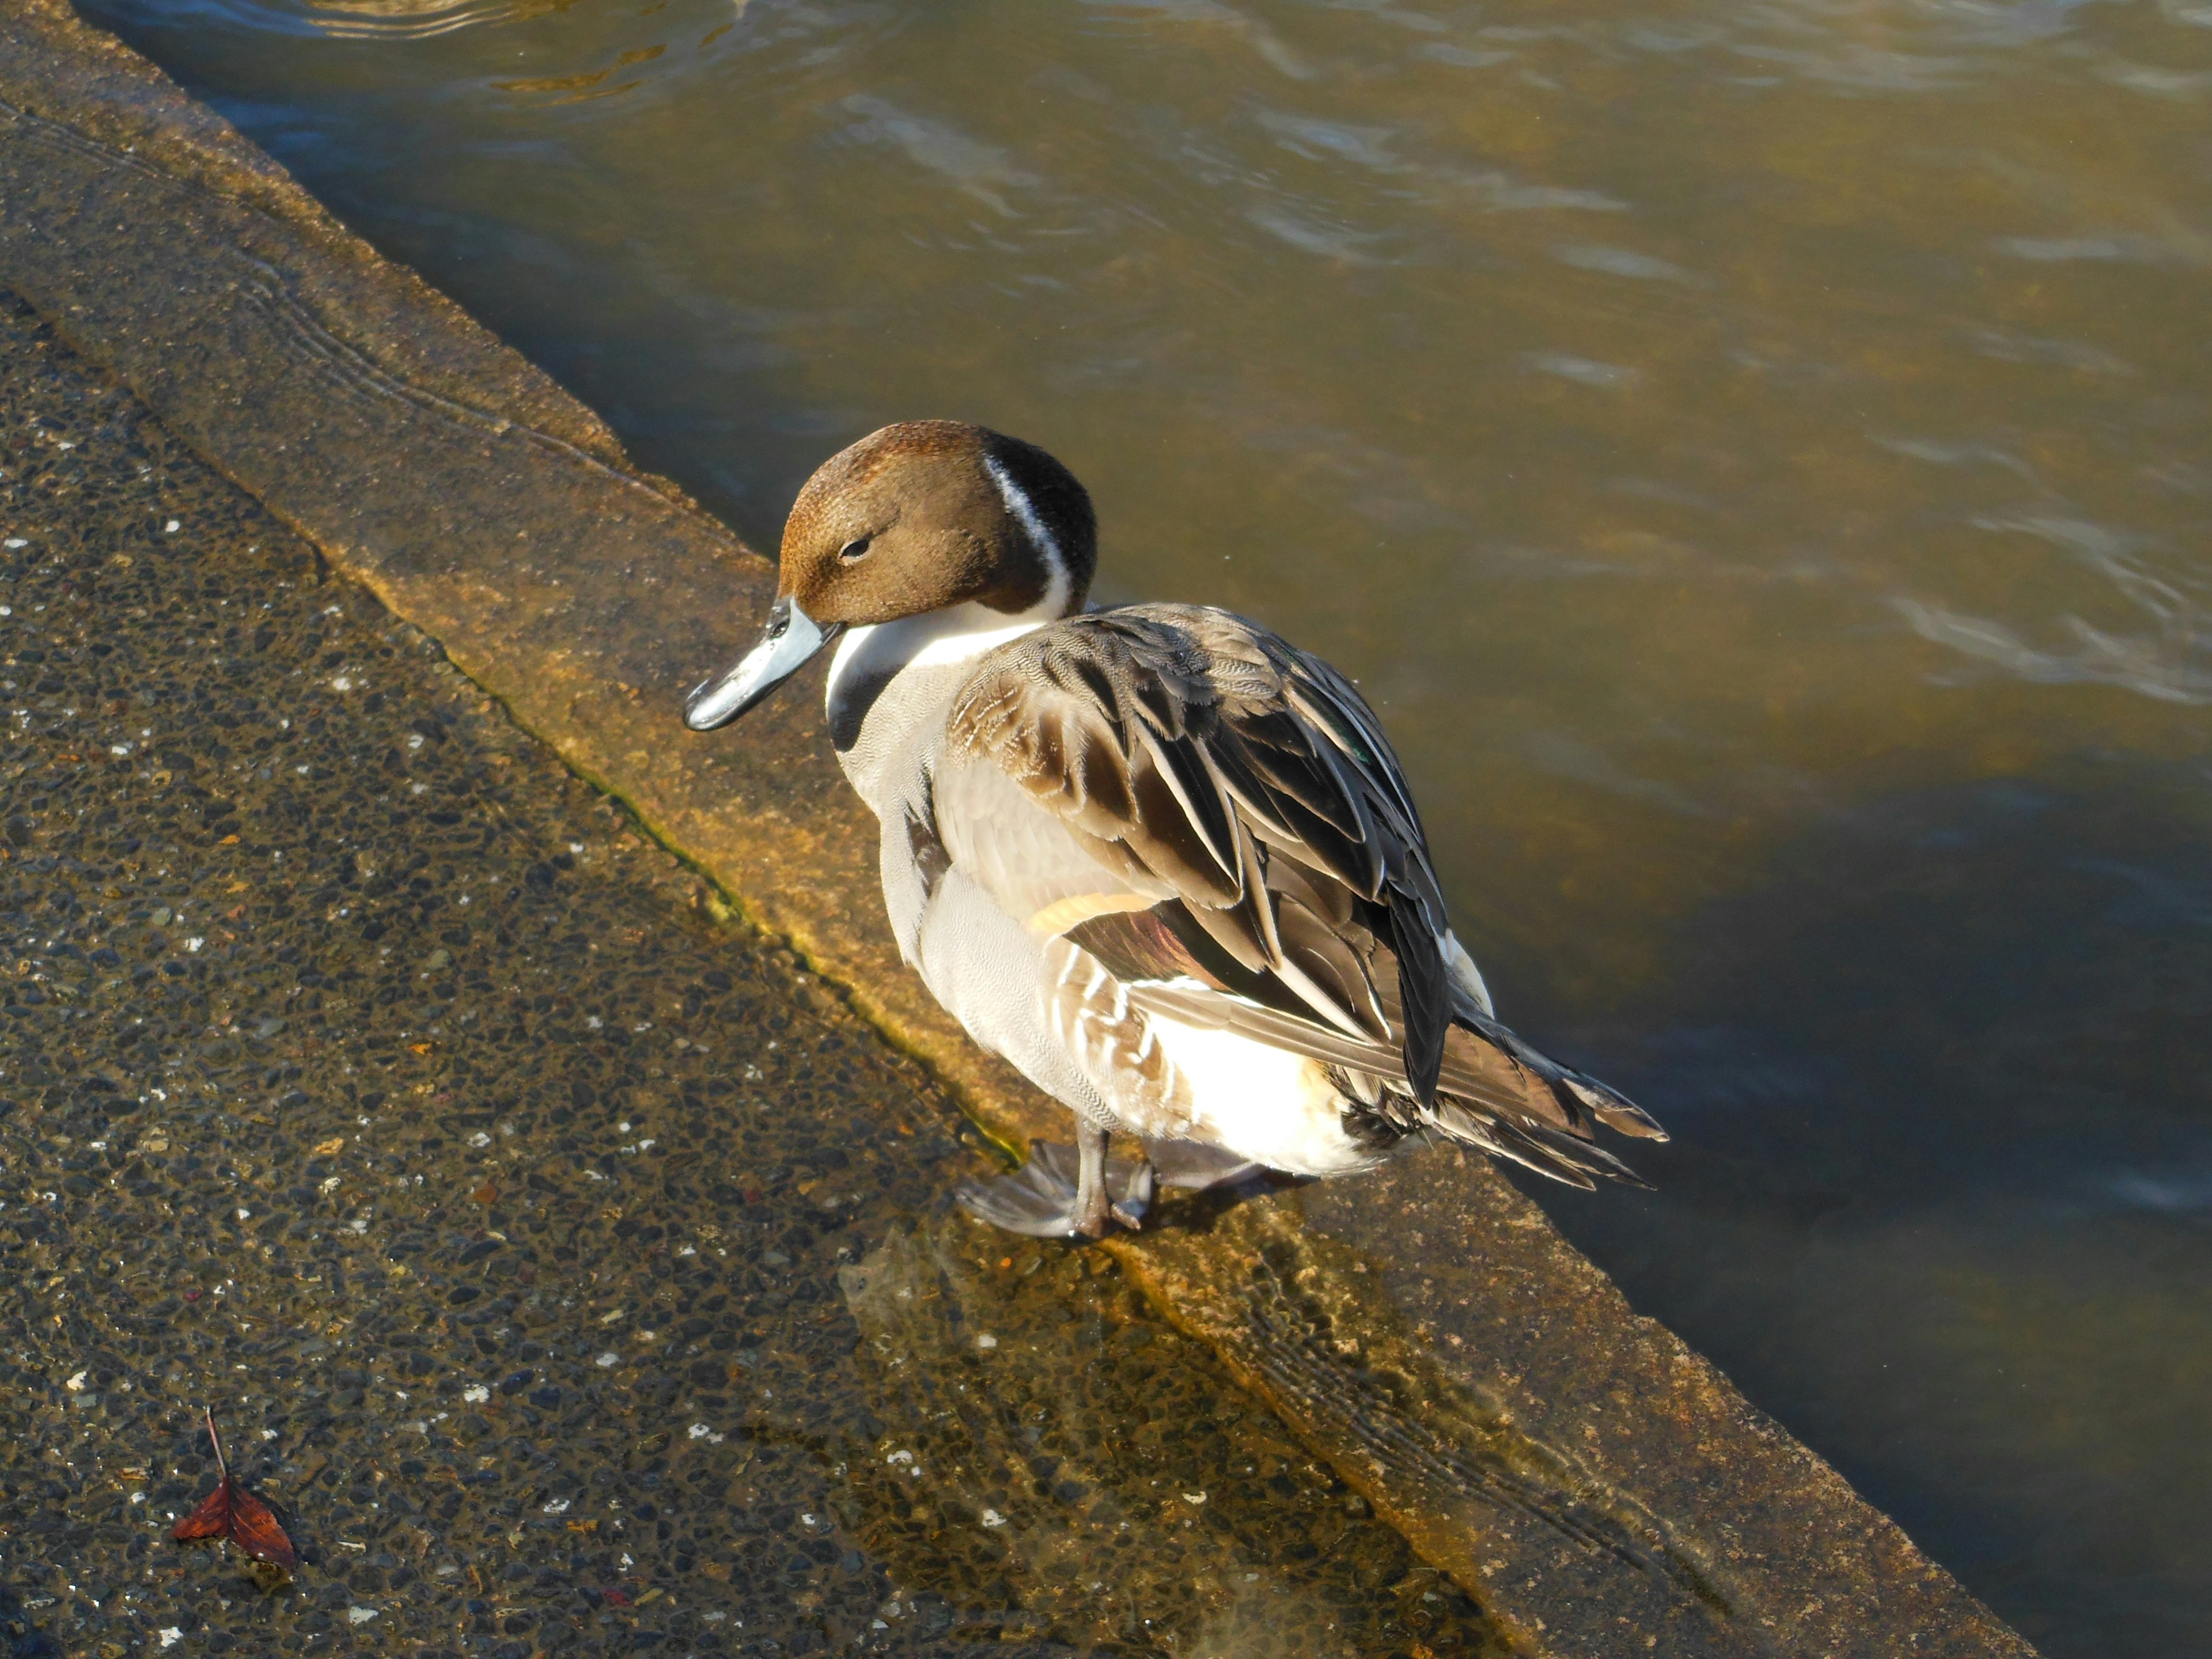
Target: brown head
column 914, row 517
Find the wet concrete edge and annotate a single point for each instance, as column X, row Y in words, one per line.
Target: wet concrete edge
column 1576, row 1466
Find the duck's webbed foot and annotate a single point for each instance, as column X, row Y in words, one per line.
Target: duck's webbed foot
column 1198, row 1168
column 1064, row 1191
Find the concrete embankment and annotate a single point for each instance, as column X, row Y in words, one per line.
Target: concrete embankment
column 1594, row 1485
column 572, row 1270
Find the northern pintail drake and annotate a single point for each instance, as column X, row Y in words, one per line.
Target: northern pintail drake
column 1160, row 859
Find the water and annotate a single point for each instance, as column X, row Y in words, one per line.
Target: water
column 1758, row 459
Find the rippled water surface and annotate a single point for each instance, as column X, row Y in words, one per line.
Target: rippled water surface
column 1758, row 456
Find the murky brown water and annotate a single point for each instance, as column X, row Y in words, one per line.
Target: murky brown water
column 1759, row 457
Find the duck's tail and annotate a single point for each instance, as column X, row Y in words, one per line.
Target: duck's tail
column 1497, row 1093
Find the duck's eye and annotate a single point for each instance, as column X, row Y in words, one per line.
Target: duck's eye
column 855, row 550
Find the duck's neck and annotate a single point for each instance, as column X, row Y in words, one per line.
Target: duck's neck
column 891, row 685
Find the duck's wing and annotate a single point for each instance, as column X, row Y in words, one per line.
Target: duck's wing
column 1226, row 830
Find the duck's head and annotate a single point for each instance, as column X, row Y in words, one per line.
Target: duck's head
column 916, row 518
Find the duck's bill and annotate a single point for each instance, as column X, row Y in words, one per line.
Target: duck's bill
column 790, row 638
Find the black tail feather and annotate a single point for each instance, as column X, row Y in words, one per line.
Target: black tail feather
column 1538, row 1146
column 1425, row 992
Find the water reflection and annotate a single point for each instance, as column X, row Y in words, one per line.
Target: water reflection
column 1759, row 458
column 412, row 20
column 1957, row 1068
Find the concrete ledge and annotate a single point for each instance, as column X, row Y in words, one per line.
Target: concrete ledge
column 1599, row 1487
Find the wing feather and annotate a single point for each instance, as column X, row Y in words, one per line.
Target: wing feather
column 1240, row 848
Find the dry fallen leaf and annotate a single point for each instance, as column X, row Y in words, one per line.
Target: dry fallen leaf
column 235, row 1515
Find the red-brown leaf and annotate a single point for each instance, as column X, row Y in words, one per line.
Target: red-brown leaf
column 255, row 1530
column 232, row 1513
column 210, row 1520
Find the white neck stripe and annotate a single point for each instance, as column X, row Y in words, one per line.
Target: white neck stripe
column 959, row 633
column 1058, row 585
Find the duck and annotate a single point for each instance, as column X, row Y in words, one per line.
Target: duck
column 1161, row 860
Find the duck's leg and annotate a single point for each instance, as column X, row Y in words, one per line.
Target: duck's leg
column 1063, row 1191
column 1136, row 1181
column 1097, row 1209
column 1093, row 1209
